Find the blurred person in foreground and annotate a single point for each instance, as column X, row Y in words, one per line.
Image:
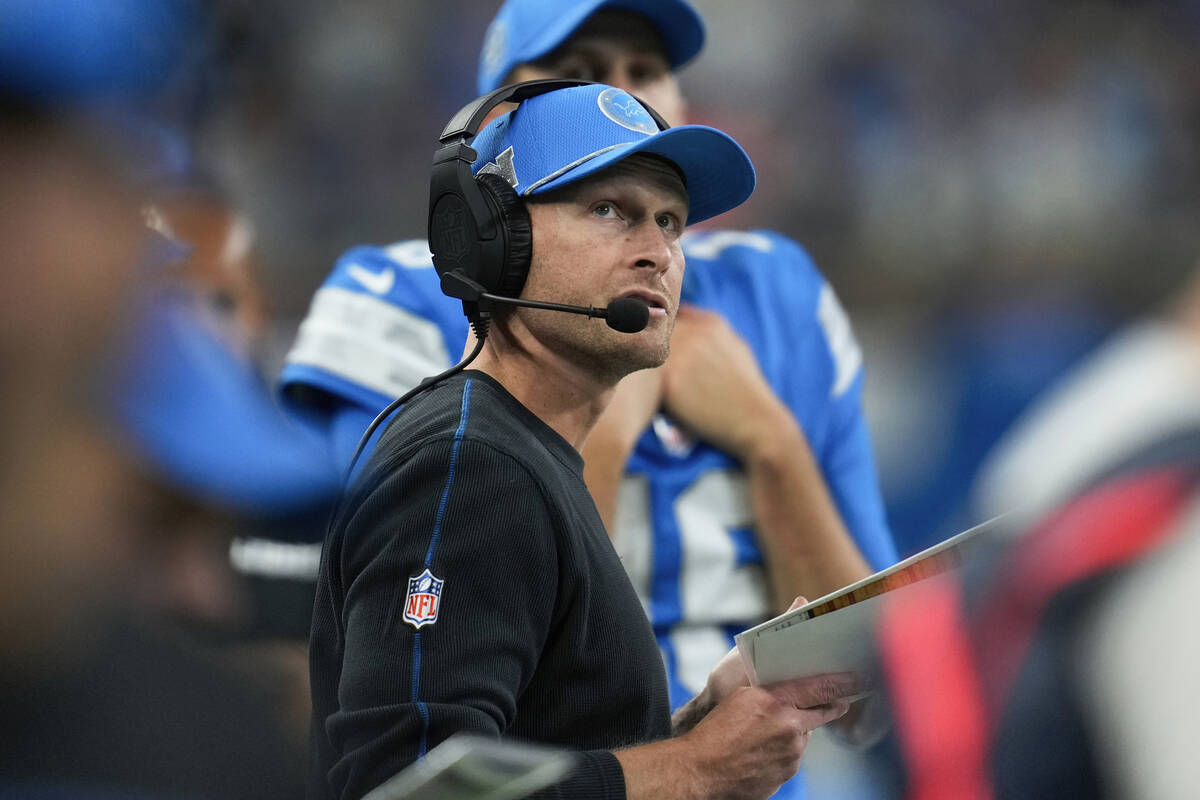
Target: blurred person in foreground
column 102, row 550
column 72, row 238
column 1140, row 384
column 276, row 543
column 1063, row 659
column 236, row 573
column 151, row 703
column 467, row 582
column 735, row 478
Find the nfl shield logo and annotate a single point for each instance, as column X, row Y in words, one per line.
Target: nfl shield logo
column 451, row 232
column 424, row 597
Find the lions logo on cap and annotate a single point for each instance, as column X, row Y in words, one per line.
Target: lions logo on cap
column 423, row 599
column 621, row 108
column 502, row 166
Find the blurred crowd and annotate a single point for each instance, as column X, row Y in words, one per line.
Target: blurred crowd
column 993, row 189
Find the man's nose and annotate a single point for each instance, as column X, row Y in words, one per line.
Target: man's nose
column 653, row 251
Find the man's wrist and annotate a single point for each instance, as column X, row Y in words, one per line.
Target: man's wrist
column 774, row 444
column 661, row 771
column 691, row 712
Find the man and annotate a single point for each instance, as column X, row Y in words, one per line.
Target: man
column 467, row 583
column 720, row 524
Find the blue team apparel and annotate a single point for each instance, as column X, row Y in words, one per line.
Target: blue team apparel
column 377, row 326
column 108, row 62
column 596, row 126
column 699, row 570
column 525, row 30
column 64, row 51
column 207, row 424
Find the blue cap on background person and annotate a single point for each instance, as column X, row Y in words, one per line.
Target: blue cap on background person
column 109, row 70
column 525, row 30
column 63, row 51
column 203, row 421
column 559, row 137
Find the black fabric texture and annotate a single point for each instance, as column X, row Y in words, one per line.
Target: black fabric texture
column 145, row 713
column 539, row 634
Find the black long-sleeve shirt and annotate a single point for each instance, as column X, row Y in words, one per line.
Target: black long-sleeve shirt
column 538, row 633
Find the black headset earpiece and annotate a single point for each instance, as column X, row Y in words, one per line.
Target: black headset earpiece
column 479, row 229
column 507, row 273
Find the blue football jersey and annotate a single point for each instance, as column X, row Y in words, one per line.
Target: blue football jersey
column 683, row 526
column 376, row 327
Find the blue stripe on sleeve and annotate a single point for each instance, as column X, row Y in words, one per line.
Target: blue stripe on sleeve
column 424, row 730
column 416, row 685
column 458, row 436
column 437, row 529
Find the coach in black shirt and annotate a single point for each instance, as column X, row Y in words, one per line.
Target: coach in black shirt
column 467, row 583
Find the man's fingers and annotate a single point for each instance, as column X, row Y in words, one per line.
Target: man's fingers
column 799, row 601
column 812, row 718
column 818, row 689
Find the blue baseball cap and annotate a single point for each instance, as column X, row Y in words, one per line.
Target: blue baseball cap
column 203, row 420
column 115, row 67
column 525, row 30
column 559, row 137
column 62, row 51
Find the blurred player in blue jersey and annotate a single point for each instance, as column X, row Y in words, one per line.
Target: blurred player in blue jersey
column 732, row 479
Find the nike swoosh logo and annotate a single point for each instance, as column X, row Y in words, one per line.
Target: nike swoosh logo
column 375, row 282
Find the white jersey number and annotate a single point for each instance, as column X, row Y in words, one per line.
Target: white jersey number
column 714, row 589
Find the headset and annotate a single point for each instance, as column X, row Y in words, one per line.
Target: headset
column 482, row 240
column 479, row 230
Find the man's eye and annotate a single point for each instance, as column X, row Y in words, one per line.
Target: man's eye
column 667, row 222
column 603, row 210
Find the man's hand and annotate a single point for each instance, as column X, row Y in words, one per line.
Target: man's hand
column 867, row 722
column 729, row 675
column 713, row 385
column 746, row 747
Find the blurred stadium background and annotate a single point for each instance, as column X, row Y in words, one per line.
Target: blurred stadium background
column 990, row 187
